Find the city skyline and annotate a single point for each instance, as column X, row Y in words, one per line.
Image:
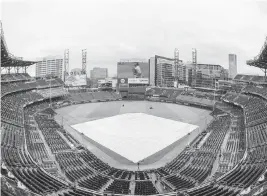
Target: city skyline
column 214, row 29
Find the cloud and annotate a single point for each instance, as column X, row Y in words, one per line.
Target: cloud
column 118, row 29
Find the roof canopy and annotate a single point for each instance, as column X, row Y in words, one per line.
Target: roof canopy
column 9, row 60
column 260, row 61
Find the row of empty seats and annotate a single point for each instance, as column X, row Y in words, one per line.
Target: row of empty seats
column 93, row 96
column 235, row 146
column 35, row 84
column 255, row 109
column 15, row 77
column 258, row 90
column 50, row 128
column 52, row 92
column 249, row 78
column 145, row 188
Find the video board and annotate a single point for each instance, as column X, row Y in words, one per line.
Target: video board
column 133, row 70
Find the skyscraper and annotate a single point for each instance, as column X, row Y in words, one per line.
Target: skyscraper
column 232, row 66
column 164, row 71
column 50, row 65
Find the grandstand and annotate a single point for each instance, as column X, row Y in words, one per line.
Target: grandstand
column 40, row 157
column 250, row 79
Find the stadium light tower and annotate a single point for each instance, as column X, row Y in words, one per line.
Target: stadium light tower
column 194, row 56
column 176, row 64
column 194, row 62
column 84, row 61
column 66, row 63
column 50, row 96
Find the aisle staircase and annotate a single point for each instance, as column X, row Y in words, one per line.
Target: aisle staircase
column 103, row 188
column 132, row 187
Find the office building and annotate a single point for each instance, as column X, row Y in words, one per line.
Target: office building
column 181, row 73
column 204, row 75
column 164, row 71
column 232, row 66
column 50, row 65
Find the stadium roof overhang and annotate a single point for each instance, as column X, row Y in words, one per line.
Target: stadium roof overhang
column 260, row 61
column 10, row 62
column 260, row 64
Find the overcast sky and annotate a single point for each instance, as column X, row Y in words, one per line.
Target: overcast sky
column 111, row 30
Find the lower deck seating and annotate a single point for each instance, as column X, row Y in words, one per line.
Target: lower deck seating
column 212, row 191
column 94, row 183
column 145, row 188
column 94, row 162
column 84, row 97
column 243, row 176
column 179, row 182
column 119, row 187
column 76, row 192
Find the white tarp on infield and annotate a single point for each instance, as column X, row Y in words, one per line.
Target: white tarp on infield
column 135, row 136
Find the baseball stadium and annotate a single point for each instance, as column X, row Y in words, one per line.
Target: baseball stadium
column 135, row 140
